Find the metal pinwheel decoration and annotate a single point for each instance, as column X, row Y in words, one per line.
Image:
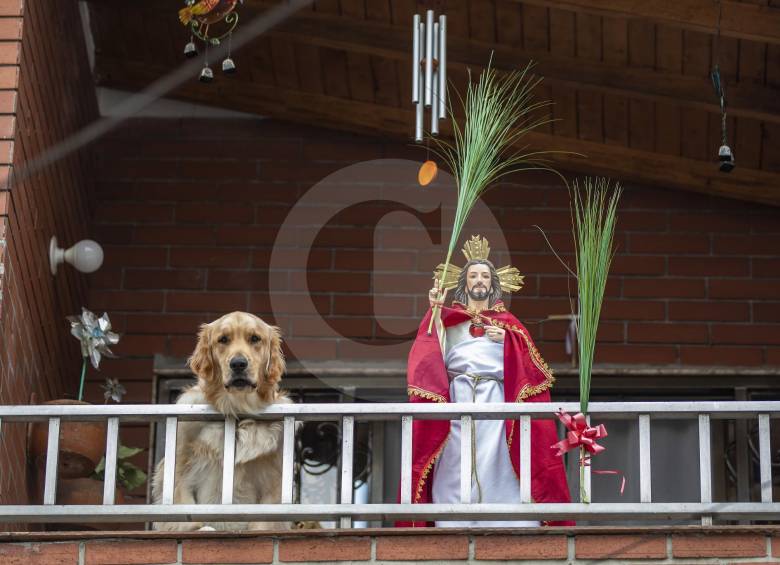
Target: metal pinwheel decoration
column 200, row 16
column 95, row 336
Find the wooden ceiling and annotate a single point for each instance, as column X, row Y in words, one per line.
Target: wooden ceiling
column 629, row 80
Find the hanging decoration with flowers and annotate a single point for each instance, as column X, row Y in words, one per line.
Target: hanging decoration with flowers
column 211, row 22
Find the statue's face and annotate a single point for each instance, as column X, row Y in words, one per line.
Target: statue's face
column 478, row 282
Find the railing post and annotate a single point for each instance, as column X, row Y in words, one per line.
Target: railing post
column 347, row 455
column 586, row 486
column 52, row 462
column 288, row 459
column 466, row 428
column 228, row 460
column 525, row 459
column 112, row 446
column 169, row 468
column 406, row 459
column 765, row 457
column 705, row 465
column 645, row 466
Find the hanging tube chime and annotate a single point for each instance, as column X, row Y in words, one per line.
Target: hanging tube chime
column 429, row 71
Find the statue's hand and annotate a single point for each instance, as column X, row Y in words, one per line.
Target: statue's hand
column 495, row 334
column 434, row 299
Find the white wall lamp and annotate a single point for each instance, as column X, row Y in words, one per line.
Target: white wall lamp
column 86, row 256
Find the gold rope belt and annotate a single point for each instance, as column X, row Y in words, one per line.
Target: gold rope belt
column 475, row 380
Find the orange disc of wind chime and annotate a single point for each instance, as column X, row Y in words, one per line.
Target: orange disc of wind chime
column 210, row 21
column 429, row 80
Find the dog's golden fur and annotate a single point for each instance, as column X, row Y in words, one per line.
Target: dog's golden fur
column 257, row 479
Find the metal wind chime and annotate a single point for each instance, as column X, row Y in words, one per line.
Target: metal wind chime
column 210, row 21
column 429, row 79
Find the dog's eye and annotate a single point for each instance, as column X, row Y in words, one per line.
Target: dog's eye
column 223, row 339
column 254, row 339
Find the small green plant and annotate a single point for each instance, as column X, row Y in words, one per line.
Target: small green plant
column 128, row 475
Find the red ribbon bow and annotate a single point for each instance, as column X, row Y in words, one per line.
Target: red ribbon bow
column 579, row 434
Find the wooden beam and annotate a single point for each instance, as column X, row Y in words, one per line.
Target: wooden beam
column 328, row 111
column 757, row 22
column 745, row 99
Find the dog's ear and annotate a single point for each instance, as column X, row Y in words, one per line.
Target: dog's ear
column 276, row 364
column 201, row 361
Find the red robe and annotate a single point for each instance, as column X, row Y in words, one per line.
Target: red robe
column 527, row 378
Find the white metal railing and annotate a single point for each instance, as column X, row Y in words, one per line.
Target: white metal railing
column 347, row 511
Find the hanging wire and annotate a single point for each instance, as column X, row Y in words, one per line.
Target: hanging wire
column 725, row 155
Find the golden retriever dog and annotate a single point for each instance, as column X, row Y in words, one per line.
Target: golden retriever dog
column 238, row 362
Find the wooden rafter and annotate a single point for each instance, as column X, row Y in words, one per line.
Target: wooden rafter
column 744, row 20
column 343, row 114
column 745, row 99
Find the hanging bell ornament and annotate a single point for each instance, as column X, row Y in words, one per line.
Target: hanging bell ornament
column 228, row 66
column 206, row 75
column 726, row 159
column 190, row 50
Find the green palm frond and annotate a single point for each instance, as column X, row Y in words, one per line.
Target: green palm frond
column 594, row 215
column 499, row 111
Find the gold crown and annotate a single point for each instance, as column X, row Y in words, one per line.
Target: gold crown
column 478, row 248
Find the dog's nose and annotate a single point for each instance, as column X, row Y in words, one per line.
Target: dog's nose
column 238, row 364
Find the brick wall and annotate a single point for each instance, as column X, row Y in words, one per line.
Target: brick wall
column 42, row 65
column 189, row 210
column 548, row 545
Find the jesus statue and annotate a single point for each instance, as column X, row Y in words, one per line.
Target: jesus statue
column 481, row 353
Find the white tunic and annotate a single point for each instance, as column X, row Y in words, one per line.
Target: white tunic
column 499, row 484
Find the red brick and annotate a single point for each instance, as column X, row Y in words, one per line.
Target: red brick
column 325, row 549
column 630, row 310
column 7, row 101
column 200, row 213
column 766, row 267
column 228, row 551
column 39, row 553
column 746, row 244
column 10, row 7
column 173, row 235
column 744, row 288
column 7, row 127
column 663, row 288
column 130, row 300
column 133, row 213
column 671, row 244
column 520, row 547
column 130, row 552
column 710, row 355
column 130, row 256
column 775, row 546
column 422, row 547
column 218, row 302
column 638, row 265
column 164, row 279
column 165, row 324
column 10, row 28
column 238, row 280
column 9, row 77
column 636, row 354
column 209, row 257
column 709, row 266
column 719, row 545
column 667, row 333
column 313, row 349
column 620, row 547
column 745, row 334
column 766, row 311
column 710, row 310
column 245, row 236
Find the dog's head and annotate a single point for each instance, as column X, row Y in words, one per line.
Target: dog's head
column 239, row 354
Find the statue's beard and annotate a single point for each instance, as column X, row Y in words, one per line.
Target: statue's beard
column 478, row 293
